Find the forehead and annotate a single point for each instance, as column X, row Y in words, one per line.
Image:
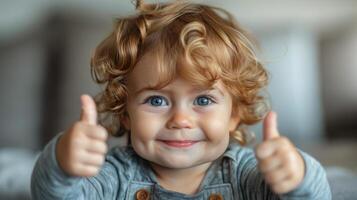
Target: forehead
column 145, row 72
column 148, row 73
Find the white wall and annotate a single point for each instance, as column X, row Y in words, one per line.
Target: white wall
column 291, row 53
column 291, row 56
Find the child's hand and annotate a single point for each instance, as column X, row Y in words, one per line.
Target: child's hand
column 278, row 159
column 81, row 149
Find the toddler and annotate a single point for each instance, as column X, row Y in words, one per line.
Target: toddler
column 181, row 79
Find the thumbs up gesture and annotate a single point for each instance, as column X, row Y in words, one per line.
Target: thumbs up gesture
column 80, row 151
column 278, row 159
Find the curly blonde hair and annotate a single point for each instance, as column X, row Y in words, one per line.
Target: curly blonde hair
column 215, row 47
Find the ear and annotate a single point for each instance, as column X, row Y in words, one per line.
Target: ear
column 233, row 122
column 126, row 120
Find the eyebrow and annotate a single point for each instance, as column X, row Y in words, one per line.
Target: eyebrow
column 214, row 88
column 150, row 88
column 147, row 88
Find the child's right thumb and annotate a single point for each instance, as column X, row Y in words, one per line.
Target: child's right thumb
column 89, row 111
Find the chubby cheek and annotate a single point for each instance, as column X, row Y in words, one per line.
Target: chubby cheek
column 215, row 126
column 217, row 134
column 144, row 127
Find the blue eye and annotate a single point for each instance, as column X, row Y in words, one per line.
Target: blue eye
column 203, row 100
column 156, row 100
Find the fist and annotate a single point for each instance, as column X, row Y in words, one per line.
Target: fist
column 278, row 159
column 81, row 150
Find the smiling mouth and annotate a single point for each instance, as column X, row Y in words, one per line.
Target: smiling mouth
column 179, row 143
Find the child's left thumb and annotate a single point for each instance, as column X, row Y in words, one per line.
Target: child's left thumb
column 270, row 126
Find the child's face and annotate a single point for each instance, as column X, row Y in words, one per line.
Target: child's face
column 177, row 126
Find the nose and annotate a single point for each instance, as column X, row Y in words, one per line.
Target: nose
column 180, row 119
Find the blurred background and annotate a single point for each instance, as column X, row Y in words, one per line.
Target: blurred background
column 309, row 47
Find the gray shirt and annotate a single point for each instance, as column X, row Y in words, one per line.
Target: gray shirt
column 124, row 174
